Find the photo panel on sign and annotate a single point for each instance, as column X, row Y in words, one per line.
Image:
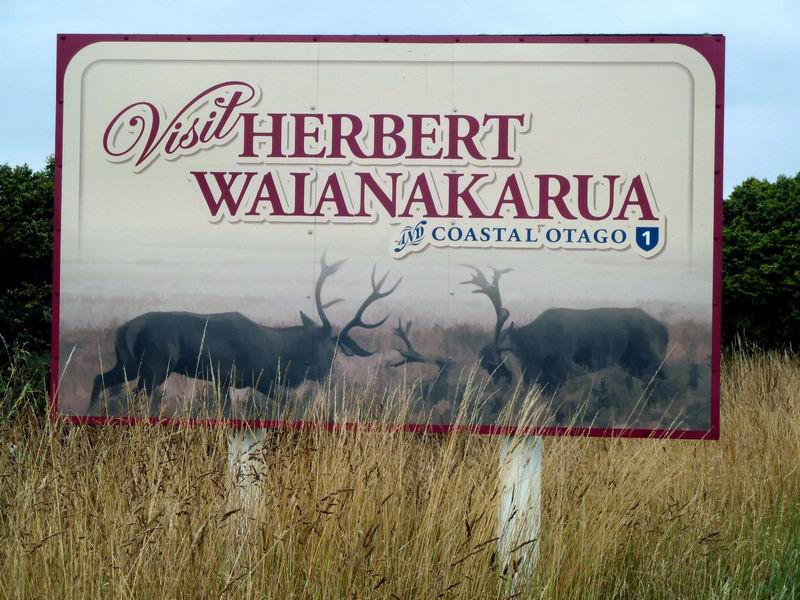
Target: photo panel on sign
column 548, row 206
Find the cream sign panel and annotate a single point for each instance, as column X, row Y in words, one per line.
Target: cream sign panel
column 246, row 224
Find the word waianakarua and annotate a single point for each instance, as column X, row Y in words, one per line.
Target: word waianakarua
column 380, row 163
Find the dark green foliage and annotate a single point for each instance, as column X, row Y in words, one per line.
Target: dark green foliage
column 26, row 256
column 761, row 263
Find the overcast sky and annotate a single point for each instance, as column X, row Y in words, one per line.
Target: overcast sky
column 762, row 115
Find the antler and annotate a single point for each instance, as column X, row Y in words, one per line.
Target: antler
column 409, row 354
column 492, row 291
column 349, row 346
column 325, row 271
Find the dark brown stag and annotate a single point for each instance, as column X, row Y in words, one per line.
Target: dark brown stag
column 438, row 387
column 442, row 393
column 231, row 348
column 491, row 355
column 453, row 383
column 563, row 341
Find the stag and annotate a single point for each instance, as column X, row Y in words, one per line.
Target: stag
column 152, row 346
column 440, row 392
column 446, row 390
column 563, row 341
column 438, row 387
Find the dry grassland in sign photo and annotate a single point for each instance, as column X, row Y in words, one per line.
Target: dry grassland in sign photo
column 150, row 512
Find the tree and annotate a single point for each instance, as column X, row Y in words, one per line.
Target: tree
column 761, row 263
column 26, row 255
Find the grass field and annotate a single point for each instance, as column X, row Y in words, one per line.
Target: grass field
column 152, row 512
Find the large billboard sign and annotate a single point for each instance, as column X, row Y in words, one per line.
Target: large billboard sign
column 247, row 223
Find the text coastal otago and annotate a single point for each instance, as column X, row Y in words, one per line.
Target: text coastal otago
column 442, row 179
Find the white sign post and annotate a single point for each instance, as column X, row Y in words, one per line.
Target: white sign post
column 244, row 465
column 519, row 514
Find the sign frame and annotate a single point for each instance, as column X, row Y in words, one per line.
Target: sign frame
column 710, row 47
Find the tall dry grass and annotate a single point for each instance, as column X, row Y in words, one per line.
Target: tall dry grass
column 152, row 512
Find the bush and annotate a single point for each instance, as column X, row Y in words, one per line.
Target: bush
column 26, row 253
column 761, row 263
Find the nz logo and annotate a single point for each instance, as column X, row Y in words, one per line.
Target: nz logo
column 411, row 238
column 648, row 240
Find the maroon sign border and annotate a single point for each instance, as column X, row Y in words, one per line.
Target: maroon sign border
column 711, row 47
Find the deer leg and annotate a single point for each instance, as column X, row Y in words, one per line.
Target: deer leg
column 235, row 401
column 657, row 365
column 645, row 364
column 149, row 383
column 107, row 380
column 550, row 379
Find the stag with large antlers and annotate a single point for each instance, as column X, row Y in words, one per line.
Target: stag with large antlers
column 439, row 389
column 410, row 355
column 231, row 347
column 563, row 341
column 491, row 355
column 445, row 392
